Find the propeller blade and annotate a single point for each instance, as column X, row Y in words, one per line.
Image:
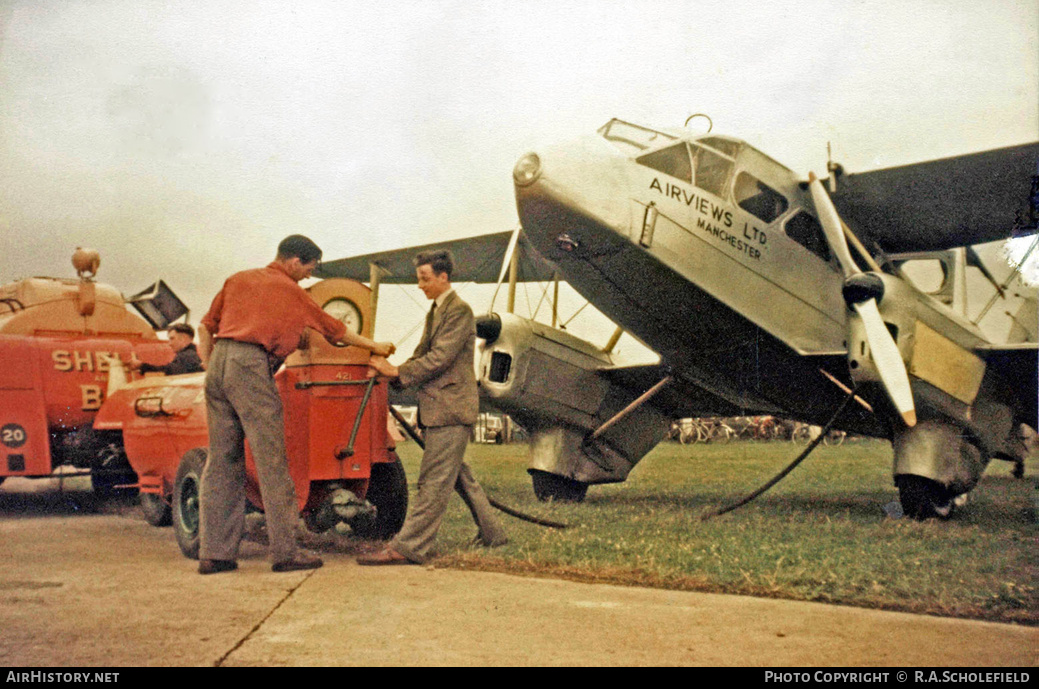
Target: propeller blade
column 888, row 360
column 882, row 346
column 831, row 223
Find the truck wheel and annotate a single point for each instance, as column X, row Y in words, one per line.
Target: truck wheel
column 555, row 487
column 388, row 491
column 157, row 511
column 186, row 499
column 923, row 498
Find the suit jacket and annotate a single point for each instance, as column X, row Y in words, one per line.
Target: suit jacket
column 442, row 367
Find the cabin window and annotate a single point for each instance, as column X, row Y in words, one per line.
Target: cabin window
column 712, row 170
column 673, row 160
column 759, row 199
column 804, row 229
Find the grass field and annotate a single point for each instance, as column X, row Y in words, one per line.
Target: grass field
column 820, row 535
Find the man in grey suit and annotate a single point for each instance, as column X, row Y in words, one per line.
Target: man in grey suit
column 448, row 403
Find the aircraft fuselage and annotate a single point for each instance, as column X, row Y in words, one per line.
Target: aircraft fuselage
column 721, row 290
column 713, row 254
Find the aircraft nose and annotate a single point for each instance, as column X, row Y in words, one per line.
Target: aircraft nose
column 558, row 186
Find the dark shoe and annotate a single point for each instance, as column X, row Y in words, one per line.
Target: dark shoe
column 216, row 566
column 299, row 562
column 386, row 556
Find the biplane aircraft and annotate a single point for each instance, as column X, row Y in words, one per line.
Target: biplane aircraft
column 741, row 276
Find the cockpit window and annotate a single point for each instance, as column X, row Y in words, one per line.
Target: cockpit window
column 729, row 148
column 759, row 199
column 712, row 170
column 631, row 137
column 804, row 229
column 673, row 160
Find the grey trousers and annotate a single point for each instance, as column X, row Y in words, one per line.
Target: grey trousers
column 243, row 402
column 443, row 469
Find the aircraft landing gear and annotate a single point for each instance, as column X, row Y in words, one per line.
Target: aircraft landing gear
column 923, row 498
column 555, row 487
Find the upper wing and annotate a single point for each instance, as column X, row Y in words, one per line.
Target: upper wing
column 477, row 259
column 940, row 204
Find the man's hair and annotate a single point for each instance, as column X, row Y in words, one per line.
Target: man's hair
column 440, row 260
column 298, row 246
column 182, row 328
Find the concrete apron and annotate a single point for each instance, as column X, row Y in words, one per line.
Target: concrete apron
column 106, row 589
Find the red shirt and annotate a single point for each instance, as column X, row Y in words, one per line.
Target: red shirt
column 265, row 306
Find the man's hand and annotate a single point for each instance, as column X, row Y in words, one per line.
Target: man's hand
column 383, row 349
column 205, row 345
column 382, row 367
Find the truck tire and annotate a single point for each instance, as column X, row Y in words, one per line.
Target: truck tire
column 156, row 510
column 186, row 500
column 388, row 491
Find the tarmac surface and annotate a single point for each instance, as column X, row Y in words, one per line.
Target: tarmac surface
column 83, row 584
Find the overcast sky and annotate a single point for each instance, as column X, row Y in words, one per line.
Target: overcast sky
column 185, row 139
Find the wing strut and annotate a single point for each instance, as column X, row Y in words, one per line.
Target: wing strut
column 510, row 262
column 642, row 399
column 1001, row 289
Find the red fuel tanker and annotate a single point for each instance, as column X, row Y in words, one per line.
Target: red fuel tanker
column 59, row 339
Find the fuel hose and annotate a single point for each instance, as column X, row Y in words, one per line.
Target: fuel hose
column 782, row 474
column 413, row 434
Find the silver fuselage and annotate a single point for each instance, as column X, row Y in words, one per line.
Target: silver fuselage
column 720, row 289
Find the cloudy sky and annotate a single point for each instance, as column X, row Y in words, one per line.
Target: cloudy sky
column 185, row 139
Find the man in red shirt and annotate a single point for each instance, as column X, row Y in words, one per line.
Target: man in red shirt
column 257, row 320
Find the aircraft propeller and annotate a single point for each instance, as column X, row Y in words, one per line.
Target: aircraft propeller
column 861, row 292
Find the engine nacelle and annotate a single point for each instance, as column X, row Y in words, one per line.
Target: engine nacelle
column 897, row 307
column 557, row 387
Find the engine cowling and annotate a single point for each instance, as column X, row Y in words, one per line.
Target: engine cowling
column 552, row 384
